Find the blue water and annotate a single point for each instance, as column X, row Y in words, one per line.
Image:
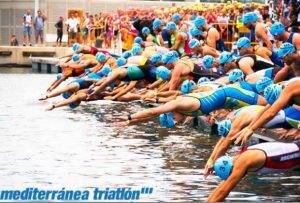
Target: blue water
column 82, row 149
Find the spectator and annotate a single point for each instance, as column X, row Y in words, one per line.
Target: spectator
column 72, row 27
column 27, row 25
column 86, row 23
column 14, row 41
column 127, row 35
column 60, row 27
column 39, row 27
column 78, row 34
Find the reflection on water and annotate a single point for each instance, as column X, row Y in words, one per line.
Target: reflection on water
column 82, row 149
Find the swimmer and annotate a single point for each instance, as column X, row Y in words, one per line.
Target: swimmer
column 202, row 50
column 262, row 33
column 244, row 46
column 202, row 103
column 278, row 97
column 248, row 63
column 279, row 33
column 270, row 157
column 213, row 38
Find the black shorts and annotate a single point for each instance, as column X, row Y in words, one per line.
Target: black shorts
column 116, row 32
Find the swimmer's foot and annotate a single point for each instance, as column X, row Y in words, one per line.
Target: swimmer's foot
column 50, row 108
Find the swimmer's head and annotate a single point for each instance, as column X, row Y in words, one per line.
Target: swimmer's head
column 208, row 61
column 167, row 120
column 187, row 86
column 170, row 57
column 171, row 27
column 194, row 43
column 75, row 57
column 203, row 80
column 121, row 61
column 286, row 52
column 163, row 73
column 236, row 75
column 156, row 24
column 200, row 22
column 176, row 17
column 127, row 54
column 156, row 58
column 58, row 76
column 277, row 29
column 223, row 167
column 224, row 127
column 76, row 46
column 136, row 50
column 145, row 31
column 263, row 83
column 225, row 59
column 100, row 57
column 138, row 40
column 243, row 44
column 106, row 69
column 74, row 104
column 195, row 32
column 249, row 19
column 272, row 93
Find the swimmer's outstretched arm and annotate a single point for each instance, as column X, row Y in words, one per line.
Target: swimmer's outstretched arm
column 155, row 84
column 83, row 65
column 153, row 112
column 282, row 74
column 127, row 89
column 57, row 82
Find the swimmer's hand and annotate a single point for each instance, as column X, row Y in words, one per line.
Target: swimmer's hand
column 209, row 168
column 121, row 124
column 243, row 136
column 50, row 108
column 43, row 97
column 110, row 98
column 289, row 134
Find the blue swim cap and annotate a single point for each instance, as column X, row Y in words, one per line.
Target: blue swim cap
column 121, row 61
column 225, row 57
column 170, row 57
column 157, row 23
column 100, row 57
column 250, row 17
column 87, row 70
column 145, row 30
column 76, row 46
column 243, row 42
column 208, row 61
column 166, row 120
column 171, row 26
column 236, row 75
column 187, row 86
column 223, row 166
column 224, row 127
column 127, row 54
column 199, row 21
column 138, row 40
column 156, row 58
column 66, row 95
column 105, row 70
column 176, row 16
column 58, row 76
column 75, row 57
column 272, row 93
column 194, row 43
column 286, row 49
column 195, row 32
column 163, row 73
column 202, row 80
column 74, row 104
column 277, row 29
column 136, row 50
column 262, row 83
